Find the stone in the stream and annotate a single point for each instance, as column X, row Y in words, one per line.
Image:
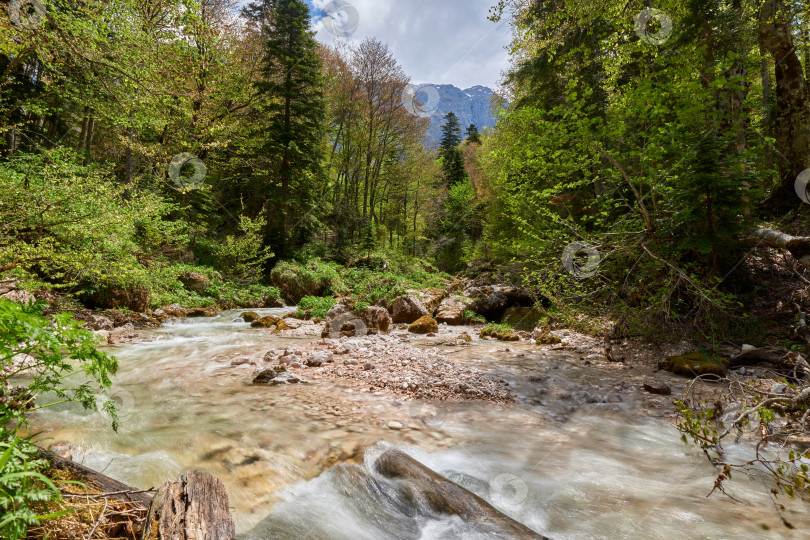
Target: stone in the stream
column 396, row 426
column 368, row 366
column 351, row 362
column 543, row 336
column 202, row 312
column 270, row 356
column 265, row 322
column 240, row 361
column 657, row 387
column 273, row 378
column 290, row 359
column 174, row 310
column 250, row 316
column 264, row 376
column 318, row 359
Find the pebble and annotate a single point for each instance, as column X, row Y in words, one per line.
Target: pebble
column 368, row 366
column 396, row 426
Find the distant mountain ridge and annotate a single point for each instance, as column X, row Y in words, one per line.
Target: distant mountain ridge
column 471, row 106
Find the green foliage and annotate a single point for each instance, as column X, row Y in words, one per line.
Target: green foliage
column 23, row 488
column 451, row 133
column 313, row 278
column 41, row 353
column 243, row 258
column 314, row 306
column 472, row 134
column 473, row 317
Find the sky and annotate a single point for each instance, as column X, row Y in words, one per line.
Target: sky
column 435, row 41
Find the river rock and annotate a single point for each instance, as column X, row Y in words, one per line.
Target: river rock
column 341, row 320
column 201, row 312
column 174, row 310
column 271, row 377
column 319, row 358
column 250, row 316
column 543, row 336
column 407, row 309
column 368, row 366
column 424, row 325
column 290, row 359
column 194, row 281
column 265, row 322
column 452, row 308
column 376, row 319
column 396, row 426
column 657, row 387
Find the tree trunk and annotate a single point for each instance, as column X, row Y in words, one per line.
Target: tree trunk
column 792, row 122
column 195, row 507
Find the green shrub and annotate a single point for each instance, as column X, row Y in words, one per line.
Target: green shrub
column 473, row 317
column 242, row 258
column 314, row 306
column 314, row 278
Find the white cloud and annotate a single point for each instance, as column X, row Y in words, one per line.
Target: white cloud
column 435, row 41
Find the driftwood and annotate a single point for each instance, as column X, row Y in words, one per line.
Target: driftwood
column 775, row 356
column 195, row 507
column 447, row 497
column 798, row 246
column 98, row 481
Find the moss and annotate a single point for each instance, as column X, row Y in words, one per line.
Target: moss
column 543, row 336
column 424, row 325
column 281, row 325
column 250, row 316
column 265, row 322
column 501, row 332
column 694, row 364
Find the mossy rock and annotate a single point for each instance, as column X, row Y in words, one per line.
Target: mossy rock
column 250, row 316
column 695, row 364
column 543, row 336
column 265, row 322
column 201, row 312
column 424, row 325
column 281, row 325
column 500, row 333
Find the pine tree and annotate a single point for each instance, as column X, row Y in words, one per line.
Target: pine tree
column 295, row 109
column 451, row 133
column 472, row 134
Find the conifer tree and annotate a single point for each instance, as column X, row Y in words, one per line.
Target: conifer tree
column 295, row 108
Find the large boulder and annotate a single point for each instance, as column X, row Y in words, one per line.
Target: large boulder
column 452, row 308
column 407, row 309
column 201, row 312
column 133, row 297
column 430, row 298
column 341, row 320
column 265, row 322
column 194, row 282
column 377, row 319
column 425, row 325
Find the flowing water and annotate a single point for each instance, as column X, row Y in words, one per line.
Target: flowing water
column 577, row 458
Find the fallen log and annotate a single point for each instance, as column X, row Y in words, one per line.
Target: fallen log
column 97, row 481
column 798, row 246
column 195, row 507
column 446, row 497
column 781, row 358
